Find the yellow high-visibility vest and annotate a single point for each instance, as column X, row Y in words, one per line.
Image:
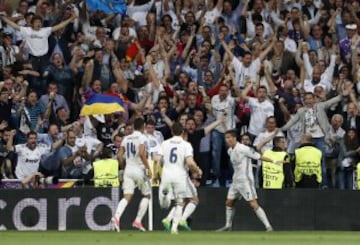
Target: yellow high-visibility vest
column 308, row 162
column 106, row 173
column 273, row 174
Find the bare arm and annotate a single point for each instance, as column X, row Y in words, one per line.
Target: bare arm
column 57, row 144
column 190, row 162
column 188, row 45
column 269, row 80
column 64, row 23
column 142, row 154
column 97, row 151
column 284, row 109
column 267, row 140
column 88, row 73
column 166, row 119
column 226, row 47
column 11, row 23
column 264, row 53
column 48, row 109
column 120, row 157
column 245, row 92
column 70, row 159
column 10, row 142
column 213, row 125
column 219, row 5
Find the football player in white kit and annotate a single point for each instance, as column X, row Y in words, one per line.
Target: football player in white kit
column 136, row 175
column 192, row 200
column 243, row 180
column 177, row 157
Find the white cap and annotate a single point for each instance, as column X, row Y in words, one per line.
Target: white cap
column 351, row 26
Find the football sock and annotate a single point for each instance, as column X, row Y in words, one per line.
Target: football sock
column 171, row 214
column 143, row 206
column 189, row 209
column 120, row 208
column 262, row 216
column 230, row 212
column 177, row 217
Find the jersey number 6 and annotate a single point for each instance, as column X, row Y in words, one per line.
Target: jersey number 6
column 173, row 156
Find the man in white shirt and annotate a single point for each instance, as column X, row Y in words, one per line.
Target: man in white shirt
column 36, row 38
column 247, row 68
column 243, row 180
column 29, row 154
column 318, row 75
column 137, row 174
column 221, row 104
column 177, row 155
column 260, row 109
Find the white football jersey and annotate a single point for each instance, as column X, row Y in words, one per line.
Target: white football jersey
column 131, row 145
column 174, row 152
column 240, row 157
column 29, row 160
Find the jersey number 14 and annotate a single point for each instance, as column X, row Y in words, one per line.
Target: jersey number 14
column 130, row 150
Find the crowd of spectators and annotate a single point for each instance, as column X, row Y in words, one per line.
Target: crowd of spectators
column 264, row 67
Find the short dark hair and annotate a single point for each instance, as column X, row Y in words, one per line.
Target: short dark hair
column 138, row 123
column 191, row 119
column 261, row 87
column 177, row 129
column 163, row 98
column 231, row 132
column 247, row 53
column 259, row 24
column 31, row 133
column 151, row 122
column 106, row 153
column 36, row 17
column 309, row 93
column 120, row 134
column 277, row 139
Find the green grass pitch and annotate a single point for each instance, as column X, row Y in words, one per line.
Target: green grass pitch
column 191, row 238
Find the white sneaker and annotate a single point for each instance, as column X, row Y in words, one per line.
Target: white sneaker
column 174, row 232
column 116, row 224
column 225, row 228
column 269, row 229
column 138, row 226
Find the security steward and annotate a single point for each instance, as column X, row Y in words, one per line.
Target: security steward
column 277, row 176
column 106, row 170
column 307, row 164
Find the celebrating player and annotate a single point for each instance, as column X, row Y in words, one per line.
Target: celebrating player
column 177, row 156
column 136, row 174
column 243, row 180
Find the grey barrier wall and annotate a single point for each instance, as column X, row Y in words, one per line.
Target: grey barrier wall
column 92, row 208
